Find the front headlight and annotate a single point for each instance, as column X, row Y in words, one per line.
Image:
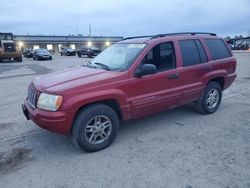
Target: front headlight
column 49, row 102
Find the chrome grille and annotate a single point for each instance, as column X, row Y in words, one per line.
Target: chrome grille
column 32, row 97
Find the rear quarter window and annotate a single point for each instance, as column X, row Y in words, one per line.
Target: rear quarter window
column 217, row 48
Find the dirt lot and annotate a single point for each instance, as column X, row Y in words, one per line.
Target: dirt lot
column 176, row 148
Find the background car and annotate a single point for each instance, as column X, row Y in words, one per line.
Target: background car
column 67, row 51
column 28, row 52
column 90, row 52
column 42, row 54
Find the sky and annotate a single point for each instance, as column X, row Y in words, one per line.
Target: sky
column 124, row 17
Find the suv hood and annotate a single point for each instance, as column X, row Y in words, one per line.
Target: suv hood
column 79, row 76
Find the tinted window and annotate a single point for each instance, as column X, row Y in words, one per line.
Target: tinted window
column 202, row 53
column 162, row 56
column 189, row 52
column 217, row 48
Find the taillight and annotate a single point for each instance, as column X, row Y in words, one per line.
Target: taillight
column 233, row 66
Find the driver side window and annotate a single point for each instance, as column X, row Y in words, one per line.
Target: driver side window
column 162, row 56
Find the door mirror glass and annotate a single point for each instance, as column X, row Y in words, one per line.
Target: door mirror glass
column 145, row 69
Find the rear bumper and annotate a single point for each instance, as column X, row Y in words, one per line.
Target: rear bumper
column 71, row 53
column 59, row 122
column 29, row 55
column 229, row 80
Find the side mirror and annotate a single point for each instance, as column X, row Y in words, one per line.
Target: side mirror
column 145, row 69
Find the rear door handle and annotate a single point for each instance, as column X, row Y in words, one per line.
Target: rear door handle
column 207, row 68
column 173, row 76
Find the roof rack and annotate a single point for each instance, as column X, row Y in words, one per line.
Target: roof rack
column 184, row 33
column 145, row 36
column 169, row 34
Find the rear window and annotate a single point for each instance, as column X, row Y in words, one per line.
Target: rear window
column 217, row 48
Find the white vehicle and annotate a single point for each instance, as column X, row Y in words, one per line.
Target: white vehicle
column 67, row 51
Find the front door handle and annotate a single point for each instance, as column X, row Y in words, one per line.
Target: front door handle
column 173, row 76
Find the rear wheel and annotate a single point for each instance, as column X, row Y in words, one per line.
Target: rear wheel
column 79, row 55
column 95, row 127
column 210, row 100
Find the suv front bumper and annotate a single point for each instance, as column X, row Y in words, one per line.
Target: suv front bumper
column 59, row 122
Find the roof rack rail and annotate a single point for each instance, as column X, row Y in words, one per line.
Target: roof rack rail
column 145, row 36
column 169, row 34
column 184, row 33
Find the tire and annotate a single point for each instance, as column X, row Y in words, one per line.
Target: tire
column 79, row 55
column 50, row 58
column 87, row 117
column 204, row 105
column 61, row 54
column 19, row 59
column 68, row 53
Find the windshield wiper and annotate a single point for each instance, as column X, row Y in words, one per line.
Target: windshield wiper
column 89, row 64
column 103, row 65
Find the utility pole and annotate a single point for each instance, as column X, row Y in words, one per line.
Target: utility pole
column 89, row 44
column 89, row 30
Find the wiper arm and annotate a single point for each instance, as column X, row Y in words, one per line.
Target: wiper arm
column 89, row 64
column 103, row 65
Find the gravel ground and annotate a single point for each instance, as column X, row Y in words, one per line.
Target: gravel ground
column 175, row 148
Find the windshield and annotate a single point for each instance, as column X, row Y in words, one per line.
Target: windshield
column 118, row 56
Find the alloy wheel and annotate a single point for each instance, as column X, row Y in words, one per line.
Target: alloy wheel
column 98, row 129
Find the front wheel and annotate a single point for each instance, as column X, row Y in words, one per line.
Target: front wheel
column 19, row 59
column 89, row 55
column 210, row 100
column 95, row 127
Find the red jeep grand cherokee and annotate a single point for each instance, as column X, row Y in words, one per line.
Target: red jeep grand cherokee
column 135, row 77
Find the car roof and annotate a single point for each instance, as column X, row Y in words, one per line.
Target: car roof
column 171, row 36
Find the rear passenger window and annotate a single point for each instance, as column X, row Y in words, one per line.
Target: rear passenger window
column 189, row 52
column 203, row 55
column 217, row 48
